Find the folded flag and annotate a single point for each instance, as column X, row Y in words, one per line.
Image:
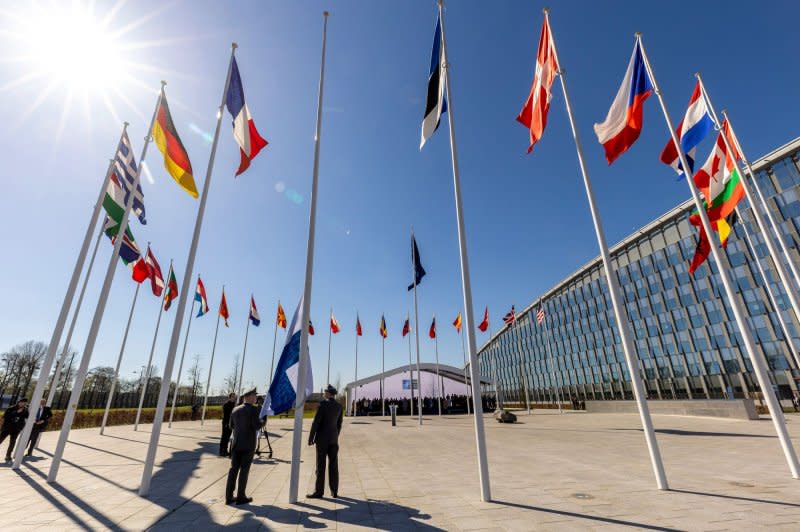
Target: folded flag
column 126, row 172
column 334, row 324
column 383, row 332
column 282, row 393
column 223, row 308
column 457, row 322
column 623, row 123
column 244, row 129
column 310, row 328
column 176, row 159
column 172, row 289
column 406, row 328
column 200, row 297
column 419, row 271
column 281, row 318
column 485, row 323
column 254, row 318
column 534, row 112
column 510, row 317
column 694, row 127
column 432, row 330
column 435, row 102
column 358, row 326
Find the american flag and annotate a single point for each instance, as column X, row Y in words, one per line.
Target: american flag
column 511, row 317
column 126, row 172
column 540, row 316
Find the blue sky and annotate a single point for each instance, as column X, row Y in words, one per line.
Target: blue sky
column 526, row 215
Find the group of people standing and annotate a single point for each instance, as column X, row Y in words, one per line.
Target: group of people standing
column 239, row 440
column 14, row 420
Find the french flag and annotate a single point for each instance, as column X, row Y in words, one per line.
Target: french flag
column 623, row 123
column 694, row 127
column 244, row 129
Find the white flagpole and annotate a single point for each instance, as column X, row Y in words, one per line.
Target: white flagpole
column 210, row 367
column 497, row 394
column 150, row 365
column 550, row 357
column 620, row 315
column 410, row 372
column 60, row 365
column 330, row 335
column 83, row 368
column 244, row 354
column 383, row 370
column 155, row 434
column 304, row 362
column 770, row 293
column 756, row 357
column 355, row 379
column 464, row 357
column 416, row 328
column 480, row 437
column 180, row 367
column 119, row 359
column 522, row 363
column 438, row 379
column 274, row 343
column 49, row 357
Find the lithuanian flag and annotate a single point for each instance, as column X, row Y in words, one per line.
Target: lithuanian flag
column 176, row 160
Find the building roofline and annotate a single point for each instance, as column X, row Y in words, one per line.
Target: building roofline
column 451, row 372
column 759, row 164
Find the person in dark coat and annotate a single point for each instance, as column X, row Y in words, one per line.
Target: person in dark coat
column 43, row 415
column 245, row 425
column 227, row 408
column 13, row 423
column 325, row 435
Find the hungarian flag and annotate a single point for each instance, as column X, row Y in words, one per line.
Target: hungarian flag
column 200, row 297
column 310, row 328
column 457, row 322
column 534, row 112
column 223, row 308
column 510, row 317
column 172, row 289
column 384, row 333
column 281, row 318
column 334, row 324
column 254, row 318
column 154, row 273
column 406, row 328
column 244, row 129
column 432, row 330
column 703, row 249
column 358, row 326
column 485, row 323
column 176, row 160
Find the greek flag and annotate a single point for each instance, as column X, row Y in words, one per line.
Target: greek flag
column 126, row 171
column 283, row 389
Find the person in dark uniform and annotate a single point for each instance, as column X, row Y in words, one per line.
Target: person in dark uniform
column 13, row 423
column 227, row 408
column 43, row 415
column 245, row 425
column 325, row 434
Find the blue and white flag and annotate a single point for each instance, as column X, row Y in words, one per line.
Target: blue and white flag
column 126, row 170
column 283, row 389
column 694, row 127
column 435, row 102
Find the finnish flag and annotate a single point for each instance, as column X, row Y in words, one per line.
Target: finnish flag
column 283, row 389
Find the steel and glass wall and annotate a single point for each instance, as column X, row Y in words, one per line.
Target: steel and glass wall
column 686, row 339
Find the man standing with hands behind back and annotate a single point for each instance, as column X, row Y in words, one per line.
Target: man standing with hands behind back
column 245, row 424
column 325, row 434
column 227, row 408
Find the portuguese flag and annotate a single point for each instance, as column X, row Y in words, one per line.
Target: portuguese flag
column 176, row 160
column 172, row 289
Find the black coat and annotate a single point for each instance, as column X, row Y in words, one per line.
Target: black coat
column 13, row 420
column 327, row 424
column 47, row 413
column 245, row 425
column 227, row 408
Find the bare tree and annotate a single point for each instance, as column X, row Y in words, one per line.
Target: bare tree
column 20, row 364
column 195, row 375
column 230, row 381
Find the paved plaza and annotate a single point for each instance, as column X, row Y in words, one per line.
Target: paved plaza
column 549, row 472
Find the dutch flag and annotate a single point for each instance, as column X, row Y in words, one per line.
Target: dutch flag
column 691, row 131
column 244, row 129
column 283, row 389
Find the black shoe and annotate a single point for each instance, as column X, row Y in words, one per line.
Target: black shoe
column 335, row 495
column 8, row 458
column 314, row 496
column 229, row 501
column 28, row 454
column 244, row 500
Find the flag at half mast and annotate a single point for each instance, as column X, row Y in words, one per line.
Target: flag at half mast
column 176, row 159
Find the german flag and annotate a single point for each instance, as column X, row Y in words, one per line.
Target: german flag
column 176, row 160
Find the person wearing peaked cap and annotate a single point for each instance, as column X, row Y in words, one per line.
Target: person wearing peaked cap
column 325, row 434
column 245, row 425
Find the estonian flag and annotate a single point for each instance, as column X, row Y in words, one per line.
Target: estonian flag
column 435, row 104
column 419, row 271
column 282, row 392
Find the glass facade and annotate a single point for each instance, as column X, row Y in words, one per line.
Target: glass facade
column 686, row 339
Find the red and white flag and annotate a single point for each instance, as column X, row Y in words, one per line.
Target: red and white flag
column 334, row 324
column 511, row 317
column 358, row 326
column 485, row 323
column 534, row 112
column 540, row 316
column 406, row 328
column 154, row 273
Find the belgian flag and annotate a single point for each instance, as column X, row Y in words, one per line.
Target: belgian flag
column 176, row 160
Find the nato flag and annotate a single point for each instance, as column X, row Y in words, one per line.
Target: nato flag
column 419, row 271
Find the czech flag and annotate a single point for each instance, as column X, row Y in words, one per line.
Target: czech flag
column 244, row 129
column 255, row 319
column 623, row 123
column 200, row 297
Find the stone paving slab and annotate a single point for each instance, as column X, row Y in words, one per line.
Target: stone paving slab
column 550, row 472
